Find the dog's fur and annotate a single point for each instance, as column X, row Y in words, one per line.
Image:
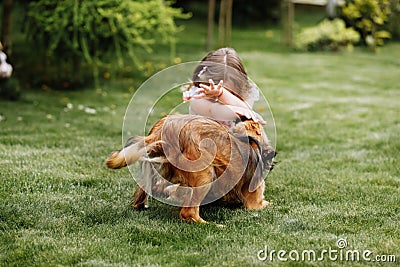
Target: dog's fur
column 181, row 146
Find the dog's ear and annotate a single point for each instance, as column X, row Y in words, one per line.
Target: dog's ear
column 257, row 177
column 268, row 155
column 255, row 144
column 255, row 156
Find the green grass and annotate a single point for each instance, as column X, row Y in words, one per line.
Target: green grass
column 338, row 123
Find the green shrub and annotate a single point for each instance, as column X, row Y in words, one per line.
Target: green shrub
column 329, row 35
column 393, row 25
column 368, row 17
column 99, row 33
column 9, row 89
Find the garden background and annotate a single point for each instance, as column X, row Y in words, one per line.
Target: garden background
column 336, row 110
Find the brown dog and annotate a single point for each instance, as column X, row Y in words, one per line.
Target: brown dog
column 199, row 154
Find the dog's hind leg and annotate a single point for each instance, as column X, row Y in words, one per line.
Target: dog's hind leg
column 146, row 184
column 201, row 184
column 140, row 199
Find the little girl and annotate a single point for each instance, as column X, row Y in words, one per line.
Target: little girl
column 5, row 68
column 233, row 95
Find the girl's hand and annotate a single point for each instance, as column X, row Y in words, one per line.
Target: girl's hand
column 212, row 91
column 188, row 94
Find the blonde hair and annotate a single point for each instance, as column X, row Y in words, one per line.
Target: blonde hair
column 223, row 64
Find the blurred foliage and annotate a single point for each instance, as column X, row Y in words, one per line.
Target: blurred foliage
column 329, row 35
column 244, row 13
column 9, row 89
column 247, row 13
column 393, row 25
column 70, row 33
column 369, row 17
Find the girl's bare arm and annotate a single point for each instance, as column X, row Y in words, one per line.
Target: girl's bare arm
column 227, row 107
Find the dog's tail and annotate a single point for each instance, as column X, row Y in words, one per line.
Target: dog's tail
column 131, row 153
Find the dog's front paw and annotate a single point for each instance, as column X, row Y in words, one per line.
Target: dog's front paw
column 258, row 205
column 191, row 214
column 265, row 204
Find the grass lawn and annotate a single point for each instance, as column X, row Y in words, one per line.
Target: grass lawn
column 338, row 125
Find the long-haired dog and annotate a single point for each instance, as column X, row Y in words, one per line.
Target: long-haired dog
column 204, row 158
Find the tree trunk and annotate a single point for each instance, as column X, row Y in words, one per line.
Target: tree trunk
column 221, row 23
column 6, row 29
column 225, row 23
column 210, row 24
column 228, row 22
column 331, row 11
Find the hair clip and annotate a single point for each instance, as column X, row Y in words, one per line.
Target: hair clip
column 202, row 71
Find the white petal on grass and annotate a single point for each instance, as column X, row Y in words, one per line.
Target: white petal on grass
column 90, row 110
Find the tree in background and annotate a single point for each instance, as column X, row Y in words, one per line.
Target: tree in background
column 210, row 24
column 99, row 33
column 239, row 12
column 6, row 26
column 225, row 23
